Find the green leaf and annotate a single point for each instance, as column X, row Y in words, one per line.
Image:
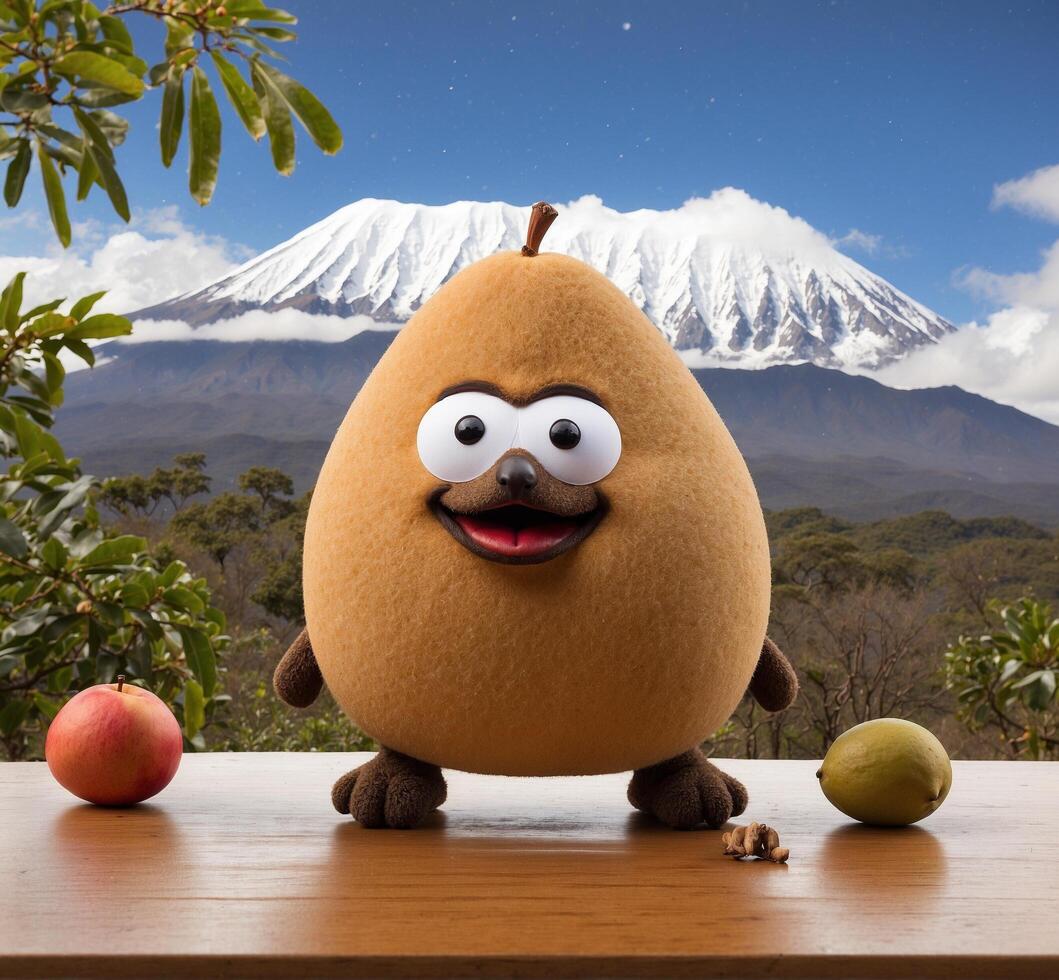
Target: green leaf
column 93, row 132
column 133, row 594
column 172, row 573
column 55, row 374
column 81, row 349
column 115, row 551
column 101, row 98
column 205, row 136
column 113, row 126
column 20, row 99
column 308, row 108
column 277, row 121
column 111, row 182
column 241, row 95
column 200, row 657
column 81, row 308
column 46, row 706
column 101, row 70
column 10, row 302
column 256, row 10
column 184, row 58
column 87, row 175
column 43, row 308
column 61, row 135
column 148, row 622
column 1009, row 669
column 183, row 599
column 194, row 709
column 172, row 121
column 100, row 327
column 114, row 29
column 53, row 190
column 178, row 36
column 16, row 174
column 13, row 714
column 58, row 628
column 103, row 159
column 12, row 541
column 276, row 33
column 54, row 554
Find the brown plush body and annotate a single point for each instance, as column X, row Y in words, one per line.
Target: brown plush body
column 621, row 653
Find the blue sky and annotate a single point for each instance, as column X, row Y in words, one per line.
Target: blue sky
column 895, row 119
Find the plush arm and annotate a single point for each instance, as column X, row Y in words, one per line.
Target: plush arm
column 774, row 684
column 297, row 679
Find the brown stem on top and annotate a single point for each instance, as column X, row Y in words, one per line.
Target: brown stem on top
column 121, row 680
column 542, row 214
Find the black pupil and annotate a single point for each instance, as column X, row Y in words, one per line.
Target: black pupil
column 565, row 434
column 469, row 430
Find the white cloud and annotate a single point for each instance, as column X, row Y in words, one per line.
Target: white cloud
column 151, row 260
column 1036, row 193
column 1014, row 356
column 285, row 324
column 728, row 215
column 862, row 240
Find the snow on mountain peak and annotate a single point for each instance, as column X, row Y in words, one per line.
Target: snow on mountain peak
column 726, row 278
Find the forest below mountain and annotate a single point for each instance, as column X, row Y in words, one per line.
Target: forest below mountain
column 811, row 436
column 871, row 613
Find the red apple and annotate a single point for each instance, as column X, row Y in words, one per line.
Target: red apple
column 114, row 744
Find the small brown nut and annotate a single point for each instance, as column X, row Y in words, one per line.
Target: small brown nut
column 779, row 854
column 84, row 607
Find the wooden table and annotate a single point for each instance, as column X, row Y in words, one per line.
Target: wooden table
column 241, row 868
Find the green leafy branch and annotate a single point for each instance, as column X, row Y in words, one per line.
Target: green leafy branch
column 72, row 60
column 80, row 604
column 1006, row 680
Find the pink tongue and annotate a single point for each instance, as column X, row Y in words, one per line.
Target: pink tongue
column 506, row 541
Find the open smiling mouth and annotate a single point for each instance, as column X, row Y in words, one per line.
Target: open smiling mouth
column 515, row 534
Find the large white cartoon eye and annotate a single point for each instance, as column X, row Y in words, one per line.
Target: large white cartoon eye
column 575, row 439
column 461, row 436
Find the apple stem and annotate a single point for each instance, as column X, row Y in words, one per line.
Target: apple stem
column 542, row 214
column 121, row 680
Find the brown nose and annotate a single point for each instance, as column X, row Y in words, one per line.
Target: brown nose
column 516, row 474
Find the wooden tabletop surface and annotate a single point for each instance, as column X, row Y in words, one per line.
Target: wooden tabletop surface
column 241, row 868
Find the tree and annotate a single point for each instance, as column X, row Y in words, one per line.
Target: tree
column 831, row 562
column 218, row 525
column 255, row 539
column 1005, row 681
column 141, row 496
column 279, row 556
column 80, row 604
column 861, row 654
column 68, row 63
column 272, row 487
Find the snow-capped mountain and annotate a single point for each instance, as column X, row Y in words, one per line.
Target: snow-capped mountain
column 729, row 277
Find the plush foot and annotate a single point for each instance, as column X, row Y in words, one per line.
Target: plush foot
column 392, row 790
column 687, row 791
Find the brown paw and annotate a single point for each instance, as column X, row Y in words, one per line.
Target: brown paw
column 392, row 790
column 687, row 791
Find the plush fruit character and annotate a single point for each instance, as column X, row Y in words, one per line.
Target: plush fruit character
column 534, row 549
column 114, row 744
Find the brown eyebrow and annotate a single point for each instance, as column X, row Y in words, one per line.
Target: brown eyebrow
column 548, row 391
column 578, row 391
column 487, row 387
